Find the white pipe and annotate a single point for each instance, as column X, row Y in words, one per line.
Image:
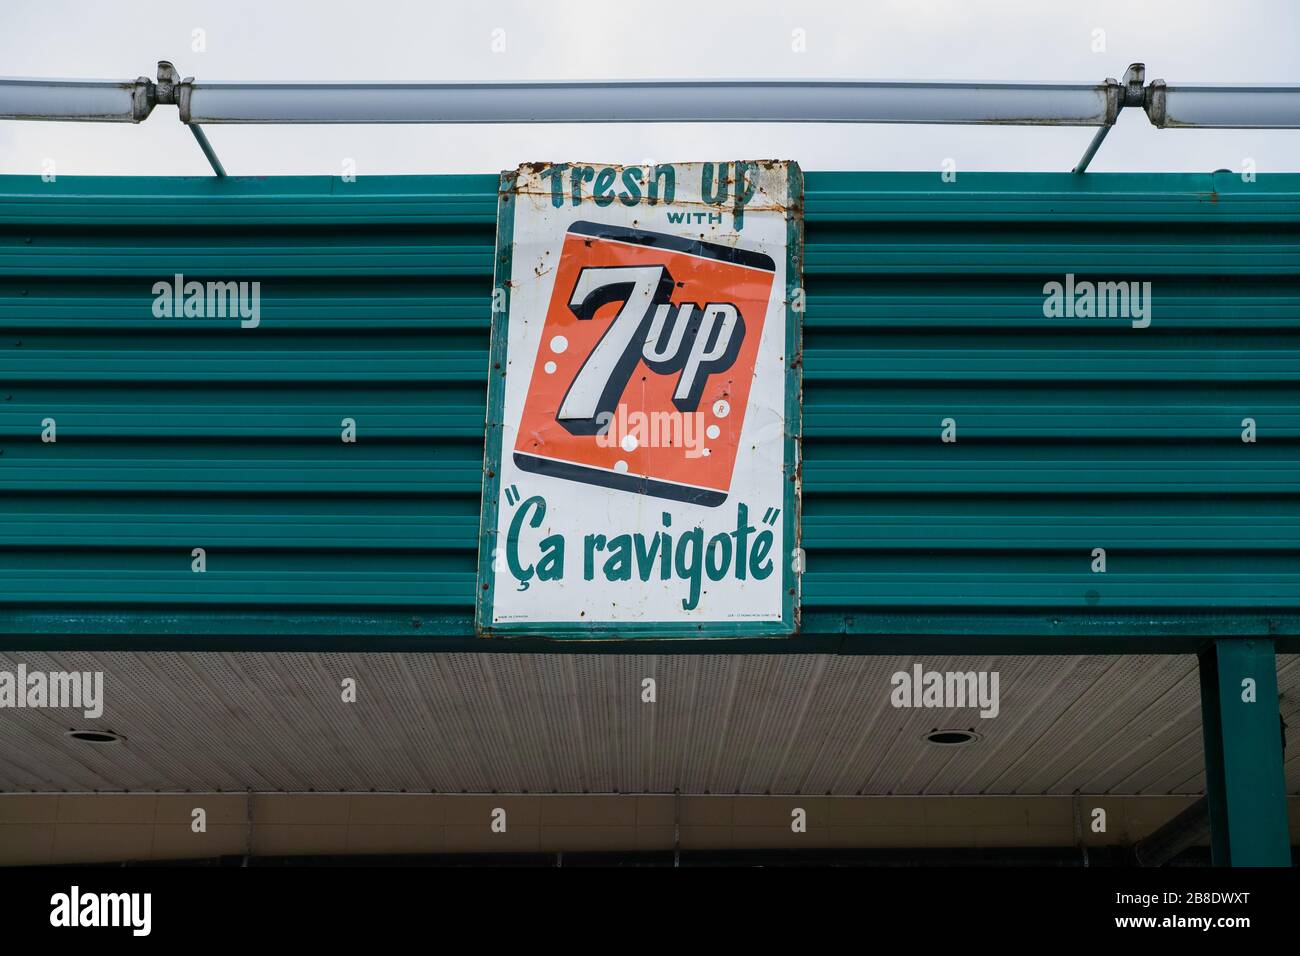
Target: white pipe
column 822, row 101
column 103, row 101
column 653, row 101
column 1245, row 106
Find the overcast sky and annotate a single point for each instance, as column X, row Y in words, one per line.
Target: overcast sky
column 399, row 40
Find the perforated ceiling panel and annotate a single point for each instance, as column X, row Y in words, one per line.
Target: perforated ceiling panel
column 577, row 723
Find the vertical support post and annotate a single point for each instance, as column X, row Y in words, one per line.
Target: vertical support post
column 1244, row 784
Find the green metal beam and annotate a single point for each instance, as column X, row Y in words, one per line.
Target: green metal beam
column 925, row 300
column 1244, row 783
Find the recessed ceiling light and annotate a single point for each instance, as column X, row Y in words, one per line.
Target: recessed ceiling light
column 952, row 738
column 95, row 736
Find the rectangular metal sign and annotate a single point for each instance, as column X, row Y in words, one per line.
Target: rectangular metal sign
column 642, row 459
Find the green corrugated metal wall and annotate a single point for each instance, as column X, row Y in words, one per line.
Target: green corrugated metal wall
column 925, row 302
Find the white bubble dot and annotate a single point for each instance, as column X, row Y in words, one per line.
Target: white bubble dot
column 628, row 443
column 707, row 453
column 559, row 344
column 713, row 431
column 620, row 466
column 722, row 408
column 550, row 368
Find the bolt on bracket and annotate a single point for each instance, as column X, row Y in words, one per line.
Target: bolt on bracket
column 172, row 90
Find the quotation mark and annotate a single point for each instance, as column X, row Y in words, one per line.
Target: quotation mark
column 769, row 516
column 512, row 495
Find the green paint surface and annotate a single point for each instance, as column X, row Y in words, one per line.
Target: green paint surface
column 924, row 302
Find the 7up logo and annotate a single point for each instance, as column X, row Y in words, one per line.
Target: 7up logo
column 668, row 338
column 646, row 362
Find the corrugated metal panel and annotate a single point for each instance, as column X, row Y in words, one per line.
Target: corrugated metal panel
column 574, row 723
column 924, row 302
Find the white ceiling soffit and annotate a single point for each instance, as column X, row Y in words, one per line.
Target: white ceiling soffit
column 576, row 723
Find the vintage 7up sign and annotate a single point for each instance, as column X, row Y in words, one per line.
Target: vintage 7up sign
column 642, row 471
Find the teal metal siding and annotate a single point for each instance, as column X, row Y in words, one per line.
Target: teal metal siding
column 924, row 302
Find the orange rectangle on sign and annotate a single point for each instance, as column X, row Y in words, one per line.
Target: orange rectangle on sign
column 646, row 361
